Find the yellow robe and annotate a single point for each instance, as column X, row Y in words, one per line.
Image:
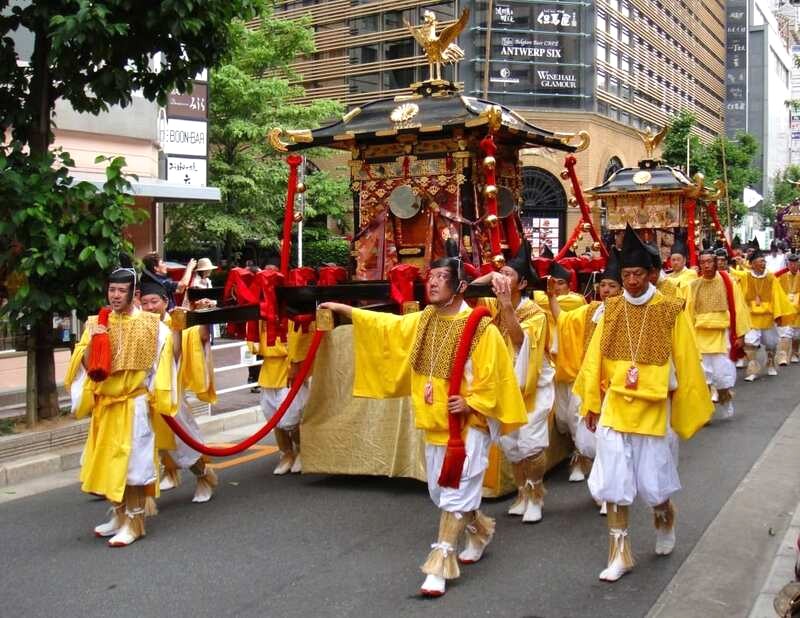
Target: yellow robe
column 382, row 345
column 533, row 323
column 667, row 287
column 710, row 327
column 766, row 300
column 566, row 302
column 791, row 285
column 195, row 374
column 574, row 332
column 278, row 357
column 644, row 410
column 111, row 405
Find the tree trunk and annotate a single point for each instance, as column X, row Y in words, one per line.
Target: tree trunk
column 47, row 390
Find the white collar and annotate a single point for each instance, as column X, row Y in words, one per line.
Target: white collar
column 761, row 276
column 643, row 299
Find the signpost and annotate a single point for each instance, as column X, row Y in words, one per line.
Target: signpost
column 184, row 135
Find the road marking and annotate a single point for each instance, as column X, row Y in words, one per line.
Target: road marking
column 254, row 452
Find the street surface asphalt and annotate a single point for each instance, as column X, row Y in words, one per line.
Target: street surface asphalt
column 351, row 546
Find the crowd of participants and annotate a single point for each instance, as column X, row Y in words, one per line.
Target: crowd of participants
column 648, row 358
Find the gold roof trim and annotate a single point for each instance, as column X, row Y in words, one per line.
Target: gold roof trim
column 293, row 136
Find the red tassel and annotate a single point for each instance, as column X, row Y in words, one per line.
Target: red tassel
column 735, row 353
column 456, row 454
column 100, row 350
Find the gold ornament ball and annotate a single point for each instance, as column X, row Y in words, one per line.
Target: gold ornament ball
column 595, row 246
column 489, row 162
column 491, row 220
column 573, row 201
column 586, row 227
column 298, row 217
column 301, row 188
column 565, row 175
column 499, row 261
column 490, row 191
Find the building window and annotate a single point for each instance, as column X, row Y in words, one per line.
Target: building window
column 371, row 82
column 542, row 191
column 403, row 48
column 626, row 36
column 601, row 52
column 601, row 22
column 364, row 54
column 613, row 58
column 625, row 9
column 444, row 11
column 613, row 30
column 601, row 80
column 613, row 86
column 365, row 24
column 625, row 64
column 399, row 78
column 393, row 20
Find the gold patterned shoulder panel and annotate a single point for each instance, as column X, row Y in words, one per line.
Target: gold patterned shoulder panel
column 436, row 341
column 133, row 339
column 656, row 344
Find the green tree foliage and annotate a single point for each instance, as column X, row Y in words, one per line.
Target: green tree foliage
column 250, row 93
column 738, row 154
column 785, row 190
column 59, row 238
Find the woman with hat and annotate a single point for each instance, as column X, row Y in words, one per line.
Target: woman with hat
column 202, row 277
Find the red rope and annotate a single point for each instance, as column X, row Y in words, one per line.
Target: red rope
column 735, row 353
column 691, row 210
column 226, row 451
column 456, row 454
column 586, row 214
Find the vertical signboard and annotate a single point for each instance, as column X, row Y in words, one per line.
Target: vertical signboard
column 736, row 67
column 184, row 135
column 536, row 53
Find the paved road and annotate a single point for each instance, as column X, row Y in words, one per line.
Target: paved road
column 343, row 546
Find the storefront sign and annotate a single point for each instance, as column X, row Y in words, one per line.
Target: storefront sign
column 736, row 67
column 186, row 171
column 184, row 137
column 189, row 106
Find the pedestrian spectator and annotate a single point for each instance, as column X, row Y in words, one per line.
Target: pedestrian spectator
column 202, row 276
column 156, row 269
column 776, row 260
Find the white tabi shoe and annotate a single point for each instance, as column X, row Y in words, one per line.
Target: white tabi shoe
column 285, row 464
column 205, row 486
column 750, row 378
column 614, row 571
column 433, row 586
column 472, row 552
column 112, row 526
column 125, row 536
column 167, row 483
column 518, row 506
column 741, row 363
column 727, row 410
column 604, row 508
column 297, row 466
column 665, row 541
column 771, row 371
column 576, row 475
column 533, row 513
column 714, row 394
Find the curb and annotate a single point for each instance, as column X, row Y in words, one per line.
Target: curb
column 782, row 571
column 58, row 458
column 724, row 575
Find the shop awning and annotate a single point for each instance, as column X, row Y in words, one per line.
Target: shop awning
column 156, row 188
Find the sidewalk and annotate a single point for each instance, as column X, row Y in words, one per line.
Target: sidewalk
column 744, row 557
column 34, row 455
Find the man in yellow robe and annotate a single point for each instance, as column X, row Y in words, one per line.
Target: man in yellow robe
column 575, row 330
column 769, row 306
column 412, row 355
column 524, row 328
column 790, row 333
column 680, row 275
column 119, row 458
column 709, row 309
column 192, row 352
column 640, row 377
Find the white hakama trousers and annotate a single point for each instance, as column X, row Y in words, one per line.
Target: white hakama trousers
column 534, row 436
column 468, row 495
column 768, row 337
column 184, row 455
column 627, row 465
column 272, row 398
column 720, row 370
column 141, row 461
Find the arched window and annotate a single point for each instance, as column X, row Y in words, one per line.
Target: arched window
column 614, row 165
column 541, row 190
column 544, row 208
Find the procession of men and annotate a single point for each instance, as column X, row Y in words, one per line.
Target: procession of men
column 625, row 372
